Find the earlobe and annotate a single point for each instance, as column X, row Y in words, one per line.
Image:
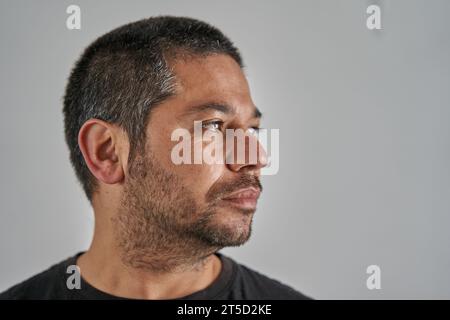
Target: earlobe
column 98, row 145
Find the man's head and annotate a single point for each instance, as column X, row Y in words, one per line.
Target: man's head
column 127, row 93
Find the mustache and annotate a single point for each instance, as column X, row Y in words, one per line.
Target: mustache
column 222, row 189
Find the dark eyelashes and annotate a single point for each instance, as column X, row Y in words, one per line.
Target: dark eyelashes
column 221, row 123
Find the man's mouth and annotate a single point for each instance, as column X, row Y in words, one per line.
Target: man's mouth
column 246, row 198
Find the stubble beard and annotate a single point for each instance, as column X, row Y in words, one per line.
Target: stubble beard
column 161, row 228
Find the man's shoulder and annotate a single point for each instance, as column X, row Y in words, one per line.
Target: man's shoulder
column 44, row 285
column 255, row 285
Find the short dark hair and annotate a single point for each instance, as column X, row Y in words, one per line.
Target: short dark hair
column 123, row 74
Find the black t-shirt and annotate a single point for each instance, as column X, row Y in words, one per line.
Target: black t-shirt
column 235, row 282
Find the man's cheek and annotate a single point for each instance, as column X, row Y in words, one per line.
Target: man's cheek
column 203, row 175
column 213, row 172
column 200, row 178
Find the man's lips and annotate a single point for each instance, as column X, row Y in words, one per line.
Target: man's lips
column 244, row 198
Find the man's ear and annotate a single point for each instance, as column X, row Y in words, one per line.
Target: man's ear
column 98, row 142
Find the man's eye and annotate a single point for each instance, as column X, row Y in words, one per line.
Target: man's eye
column 213, row 125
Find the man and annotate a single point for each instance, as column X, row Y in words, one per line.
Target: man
column 159, row 225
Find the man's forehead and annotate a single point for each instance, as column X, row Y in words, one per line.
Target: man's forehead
column 211, row 74
column 212, row 83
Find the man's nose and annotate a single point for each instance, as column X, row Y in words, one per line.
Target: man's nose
column 246, row 154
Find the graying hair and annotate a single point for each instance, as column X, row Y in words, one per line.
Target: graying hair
column 125, row 73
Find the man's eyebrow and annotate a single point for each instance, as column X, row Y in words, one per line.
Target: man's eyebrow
column 221, row 107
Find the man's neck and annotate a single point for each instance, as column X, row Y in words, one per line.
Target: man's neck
column 101, row 266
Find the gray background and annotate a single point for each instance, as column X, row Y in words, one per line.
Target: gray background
column 363, row 116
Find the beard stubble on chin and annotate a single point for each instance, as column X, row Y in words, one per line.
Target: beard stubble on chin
column 161, row 227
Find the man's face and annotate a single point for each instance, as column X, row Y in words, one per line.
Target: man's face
column 211, row 204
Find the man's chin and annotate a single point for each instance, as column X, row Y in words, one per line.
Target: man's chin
column 228, row 228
